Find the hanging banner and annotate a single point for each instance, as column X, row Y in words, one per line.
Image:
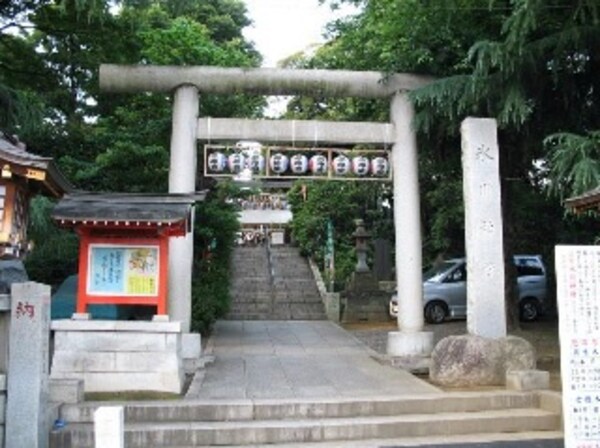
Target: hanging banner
column 123, row 270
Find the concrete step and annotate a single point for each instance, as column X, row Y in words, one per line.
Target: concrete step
column 289, row 409
column 244, row 298
column 293, row 295
column 247, row 432
column 530, row 439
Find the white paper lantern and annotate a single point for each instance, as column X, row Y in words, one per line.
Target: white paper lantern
column 256, row 162
column 236, row 163
column 299, row 164
column 216, row 162
column 360, row 166
column 318, row 164
column 278, row 163
column 341, row 165
column 380, row 167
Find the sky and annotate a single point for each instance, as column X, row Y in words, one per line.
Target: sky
column 284, row 27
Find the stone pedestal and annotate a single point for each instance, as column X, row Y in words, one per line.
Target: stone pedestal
column 363, row 301
column 115, row 356
column 472, row 361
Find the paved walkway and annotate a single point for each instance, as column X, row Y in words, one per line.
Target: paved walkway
column 297, row 359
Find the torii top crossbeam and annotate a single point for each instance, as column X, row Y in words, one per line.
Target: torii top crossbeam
column 261, row 81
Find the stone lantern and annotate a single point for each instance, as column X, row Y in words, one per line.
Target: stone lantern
column 362, row 299
column 361, row 237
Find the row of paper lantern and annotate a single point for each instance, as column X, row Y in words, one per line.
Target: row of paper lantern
column 299, row 164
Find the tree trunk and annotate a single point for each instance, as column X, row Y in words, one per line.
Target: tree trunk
column 511, row 296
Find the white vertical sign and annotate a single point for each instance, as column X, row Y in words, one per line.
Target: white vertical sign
column 578, row 297
column 486, row 314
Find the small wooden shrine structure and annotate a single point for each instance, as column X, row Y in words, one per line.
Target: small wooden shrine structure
column 590, row 200
column 124, row 244
column 22, row 175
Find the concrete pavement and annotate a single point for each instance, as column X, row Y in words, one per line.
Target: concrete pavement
column 318, row 360
column 302, row 359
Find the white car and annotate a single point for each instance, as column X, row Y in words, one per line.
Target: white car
column 445, row 289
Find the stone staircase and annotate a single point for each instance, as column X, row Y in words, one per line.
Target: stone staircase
column 451, row 417
column 282, row 288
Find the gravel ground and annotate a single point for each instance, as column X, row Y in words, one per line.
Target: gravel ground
column 542, row 334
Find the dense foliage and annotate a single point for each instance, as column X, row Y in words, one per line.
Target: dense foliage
column 531, row 64
column 50, row 52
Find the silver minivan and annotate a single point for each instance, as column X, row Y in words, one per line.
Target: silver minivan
column 445, row 289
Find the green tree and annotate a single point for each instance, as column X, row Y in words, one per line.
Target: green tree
column 528, row 63
column 214, row 239
column 341, row 202
column 54, row 255
column 107, row 142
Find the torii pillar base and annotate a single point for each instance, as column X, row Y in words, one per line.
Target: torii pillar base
column 410, row 351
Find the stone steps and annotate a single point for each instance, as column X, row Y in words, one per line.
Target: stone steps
column 291, row 295
column 246, row 422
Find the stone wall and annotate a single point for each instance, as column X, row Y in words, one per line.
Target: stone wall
column 331, row 300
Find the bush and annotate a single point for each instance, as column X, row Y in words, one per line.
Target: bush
column 214, row 237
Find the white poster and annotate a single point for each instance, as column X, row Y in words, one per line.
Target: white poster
column 578, row 297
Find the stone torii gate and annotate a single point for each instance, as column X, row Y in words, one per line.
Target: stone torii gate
column 188, row 83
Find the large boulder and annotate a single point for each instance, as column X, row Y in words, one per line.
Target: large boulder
column 468, row 360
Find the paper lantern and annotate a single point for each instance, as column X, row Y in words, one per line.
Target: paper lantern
column 236, row 163
column 360, row 166
column 256, row 162
column 216, row 162
column 299, row 164
column 380, row 167
column 278, row 163
column 341, row 165
column 318, row 164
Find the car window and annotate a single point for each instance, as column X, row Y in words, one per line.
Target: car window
column 437, row 270
column 458, row 275
column 528, row 266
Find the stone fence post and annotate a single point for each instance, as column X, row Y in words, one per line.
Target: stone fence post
column 27, row 392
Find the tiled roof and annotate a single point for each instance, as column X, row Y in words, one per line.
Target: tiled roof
column 124, row 208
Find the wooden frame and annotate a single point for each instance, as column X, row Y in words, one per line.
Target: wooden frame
column 330, row 153
column 87, row 297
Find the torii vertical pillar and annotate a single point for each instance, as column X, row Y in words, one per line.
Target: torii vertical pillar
column 410, row 343
column 182, row 179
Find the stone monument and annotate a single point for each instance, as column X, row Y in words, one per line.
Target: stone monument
column 484, row 356
column 26, row 407
column 486, row 314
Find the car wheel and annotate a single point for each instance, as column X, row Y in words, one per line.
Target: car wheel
column 435, row 312
column 529, row 310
